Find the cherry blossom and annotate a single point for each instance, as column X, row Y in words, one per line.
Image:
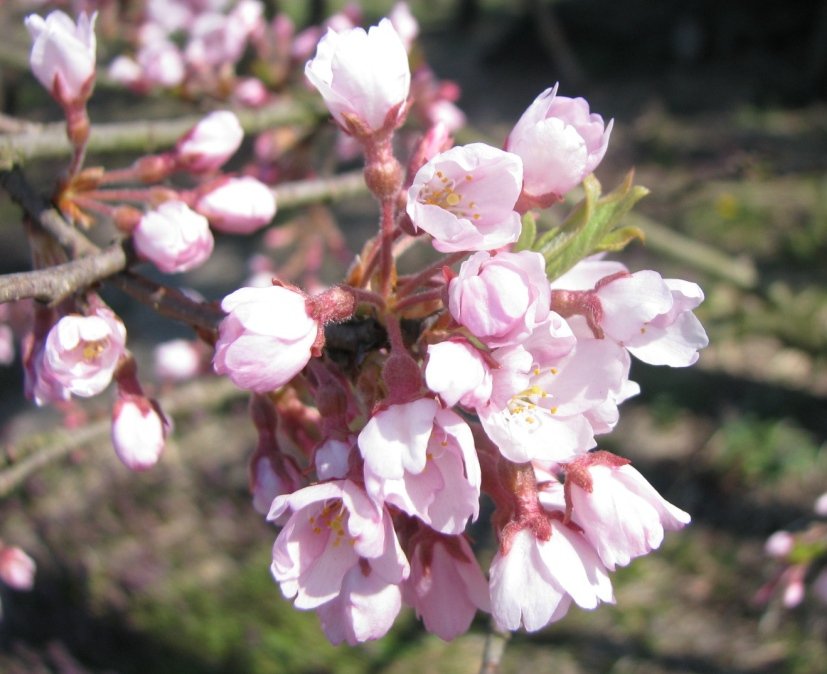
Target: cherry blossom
column 81, row 352
column 17, row 569
column 622, row 515
column 238, row 205
column 63, row 55
column 266, row 338
column 210, row 143
column 363, row 77
column 500, row 297
column 457, row 372
column 464, row 198
column 560, row 143
column 173, row 237
column 139, row 432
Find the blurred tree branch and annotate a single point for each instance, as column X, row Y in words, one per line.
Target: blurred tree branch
column 37, row 141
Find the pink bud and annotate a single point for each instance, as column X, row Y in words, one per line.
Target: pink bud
column 17, row 569
column 210, row 143
column 560, row 143
column 266, row 338
column 63, row 55
column 238, row 205
column 780, row 544
column 177, row 360
column 138, row 432
column 173, row 237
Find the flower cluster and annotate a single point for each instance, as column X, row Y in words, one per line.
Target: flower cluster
column 486, row 377
column 389, row 405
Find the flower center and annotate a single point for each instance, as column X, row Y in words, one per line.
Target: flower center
column 332, row 518
column 443, row 191
column 92, row 350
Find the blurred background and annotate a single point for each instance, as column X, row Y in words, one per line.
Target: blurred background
column 721, row 108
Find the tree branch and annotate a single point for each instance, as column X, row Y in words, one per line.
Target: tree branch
column 18, row 462
column 91, row 264
column 49, row 140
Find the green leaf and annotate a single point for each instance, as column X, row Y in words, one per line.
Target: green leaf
column 527, row 234
column 592, row 226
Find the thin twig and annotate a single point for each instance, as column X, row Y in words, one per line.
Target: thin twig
column 495, row 643
column 49, row 140
column 34, row 452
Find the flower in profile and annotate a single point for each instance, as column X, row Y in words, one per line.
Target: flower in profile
column 63, row 55
column 266, row 338
column 363, row 77
column 621, row 514
column 238, row 205
column 464, row 198
column 173, row 237
column 560, row 143
column 209, row 143
column 81, row 352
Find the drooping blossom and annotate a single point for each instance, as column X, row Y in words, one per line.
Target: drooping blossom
column 534, row 581
column 621, row 514
column 446, row 586
column 647, row 314
column 266, row 338
column 464, row 198
column 63, row 55
column 421, row 459
column 272, row 476
column 333, row 528
column 500, row 298
column 17, row 569
column 210, row 143
column 139, row 431
column 173, row 237
column 81, row 352
column 560, row 143
column 238, row 205
column 363, row 77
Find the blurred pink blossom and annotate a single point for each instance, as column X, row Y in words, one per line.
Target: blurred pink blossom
column 17, row 569
column 138, row 431
column 210, row 143
column 63, row 55
column 238, row 205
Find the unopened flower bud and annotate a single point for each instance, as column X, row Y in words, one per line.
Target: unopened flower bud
column 384, row 178
column 238, row 205
column 209, row 143
column 138, row 432
column 173, row 237
column 17, row 569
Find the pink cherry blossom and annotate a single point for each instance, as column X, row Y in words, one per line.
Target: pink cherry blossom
column 464, row 198
column 63, row 55
column 534, row 581
column 650, row 316
column 173, row 237
column 81, row 352
column 177, row 360
column 333, row 527
column 209, row 143
column 500, row 298
column 444, row 492
column 446, row 586
column 622, row 515
column 364, row 609
column 138, row 432
column 272, row 476
column 266, row 338
column 332, row 458
column 551, row 392
column 405, row 23
column 458, row 374
column 363, row 77
column 161, row 63
column 6, row 344
column 238, row 205
column 560, row 143
column 17, row 569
